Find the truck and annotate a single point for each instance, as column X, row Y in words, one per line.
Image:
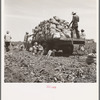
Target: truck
column 66, row 45
column 45, row 31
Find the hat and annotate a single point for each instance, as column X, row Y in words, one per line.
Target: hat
column 35, row 43
column 73, row 13
column 82, row 30
column 27, row 33
column 7, row 32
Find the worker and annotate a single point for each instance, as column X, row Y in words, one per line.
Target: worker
column 26, row 40
column 74, row 23
column 40, row 49
column 82, row 35
column 29, row 45
column 35, row 48
column 7, row 39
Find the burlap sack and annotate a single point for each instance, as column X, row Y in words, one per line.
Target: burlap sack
column 56, row 18
column 62, row 36
column 60, row 27
column 52, row 20
column 67, row 32
column 40, row 32
column 52, row 30
column 61, row 21
column 38, row 28
column 49, row 37
column 56, row 35
column 52, row 26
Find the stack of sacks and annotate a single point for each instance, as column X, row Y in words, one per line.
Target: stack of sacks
column 51, row 29
column 90, row 58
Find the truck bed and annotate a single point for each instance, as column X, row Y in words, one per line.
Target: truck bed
column 76, row 41
column 73, row 40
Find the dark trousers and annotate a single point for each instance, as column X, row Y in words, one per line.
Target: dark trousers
column 28, row 46
column 7, row 44
column 76, row 31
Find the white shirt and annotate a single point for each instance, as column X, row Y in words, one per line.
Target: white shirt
column 83, row 35
column 7, row 38
column 56, row 35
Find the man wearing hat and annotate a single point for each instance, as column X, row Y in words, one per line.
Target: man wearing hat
column 82, row 34
column 35, row 48
column 74, row 23
column 7, row 39
column 26, row 40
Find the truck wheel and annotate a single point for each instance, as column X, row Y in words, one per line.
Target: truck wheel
column 68, row 50
column 45, row 51
column 71, row 47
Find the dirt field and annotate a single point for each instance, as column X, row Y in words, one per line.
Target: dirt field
column 22, row 66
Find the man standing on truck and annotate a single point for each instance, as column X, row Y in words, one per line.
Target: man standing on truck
column 74, row 23
column 7, row 39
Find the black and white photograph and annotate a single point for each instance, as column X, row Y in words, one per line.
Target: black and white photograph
column 49, row 49
column 50, row 41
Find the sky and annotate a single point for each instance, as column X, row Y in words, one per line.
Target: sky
column 21, row 16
